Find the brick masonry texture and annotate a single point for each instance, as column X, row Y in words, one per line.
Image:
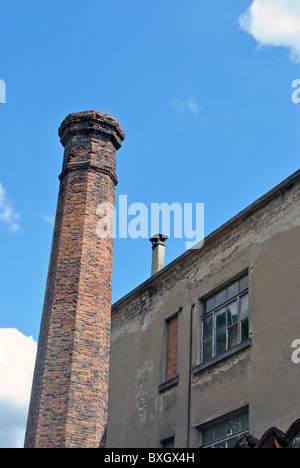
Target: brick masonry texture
column 68, row 406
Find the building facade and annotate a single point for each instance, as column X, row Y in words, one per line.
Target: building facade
column 201, row 353
column 196, row 356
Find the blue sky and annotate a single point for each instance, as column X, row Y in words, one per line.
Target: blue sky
column 202, row 90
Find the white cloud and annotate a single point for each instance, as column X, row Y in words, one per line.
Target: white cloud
column 17, row 358
column 7, row 214
column 187, row 104
column 48, row 219
column 274, row 23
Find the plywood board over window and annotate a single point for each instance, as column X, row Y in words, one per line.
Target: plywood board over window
column 172, row 346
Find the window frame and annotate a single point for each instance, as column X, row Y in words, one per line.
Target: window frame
column 168, row 442
column 216, row 441
column 213, row 312
column 167, row 330
column 171, row 382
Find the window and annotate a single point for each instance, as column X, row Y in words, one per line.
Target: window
column 169, row 364
column 172, row 344
column 168, row 443
column 225, row 319
column 225, row 432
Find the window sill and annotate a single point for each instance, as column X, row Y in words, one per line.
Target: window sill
column 169, row 384
column 222, row 357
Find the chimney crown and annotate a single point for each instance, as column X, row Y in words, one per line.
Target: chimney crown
column 91, row 122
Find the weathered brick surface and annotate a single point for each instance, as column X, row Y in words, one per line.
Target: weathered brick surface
column 68, row 405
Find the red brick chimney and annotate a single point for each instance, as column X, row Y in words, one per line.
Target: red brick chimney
column 68, row 406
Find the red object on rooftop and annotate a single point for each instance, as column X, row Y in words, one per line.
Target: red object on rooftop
column 273, row 438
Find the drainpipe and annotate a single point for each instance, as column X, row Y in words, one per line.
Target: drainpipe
column 190, row 377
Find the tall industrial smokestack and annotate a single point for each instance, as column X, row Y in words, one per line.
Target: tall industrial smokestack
column 68, row 406
column 158, row 252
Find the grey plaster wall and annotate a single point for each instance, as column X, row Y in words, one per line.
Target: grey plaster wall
column 263, row 240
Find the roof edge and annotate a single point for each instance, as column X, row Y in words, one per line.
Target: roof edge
column 241, row 216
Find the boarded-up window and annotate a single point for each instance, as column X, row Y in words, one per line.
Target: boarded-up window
column 172, row 344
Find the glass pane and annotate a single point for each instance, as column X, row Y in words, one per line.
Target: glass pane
column 233, row 426
column 207, row 436
column 209, row 304
column 231, row 442
column 232, row 290
column 220, row 430
column 207, row 350
column 207, row 327
column 232, row 313
column 244, row 306
column 221, row 342
column 221, row 297
column 244, row 283
column 244, row 329
column 221, row 323
column 220, row 445
column 232, row 336
column 244, row 422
